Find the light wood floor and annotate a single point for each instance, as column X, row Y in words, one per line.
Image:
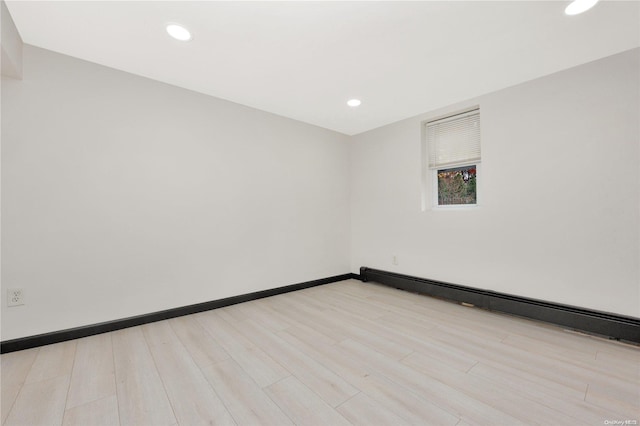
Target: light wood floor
column 339, row 354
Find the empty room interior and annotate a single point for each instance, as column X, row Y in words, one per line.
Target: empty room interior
column 320, row 213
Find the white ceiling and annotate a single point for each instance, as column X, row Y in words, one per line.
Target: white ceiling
column 304, row 60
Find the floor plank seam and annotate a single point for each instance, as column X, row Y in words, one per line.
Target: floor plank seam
column 115, row 377
column 347, row 400
column 471, row 368
column 213, row 388
column 15, row 399
column 66, row 398
column 278, row 405
column 279, row 380
column 157, row 370
column 401, row 360
column 21, row 385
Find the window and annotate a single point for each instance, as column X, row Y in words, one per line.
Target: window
column 453, row 147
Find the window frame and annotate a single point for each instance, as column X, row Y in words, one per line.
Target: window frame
column 434, row 189
column 430, row 174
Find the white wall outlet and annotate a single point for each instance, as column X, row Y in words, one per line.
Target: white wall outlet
column 15, row 297
column 394, row 259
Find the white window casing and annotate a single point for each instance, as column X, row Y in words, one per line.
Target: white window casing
column 451, row 142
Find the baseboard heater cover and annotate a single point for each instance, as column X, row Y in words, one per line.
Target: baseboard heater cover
column 105, row 327
column 601, row 323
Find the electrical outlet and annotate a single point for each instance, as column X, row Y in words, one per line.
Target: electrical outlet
column 15, row 297
column 395, row 259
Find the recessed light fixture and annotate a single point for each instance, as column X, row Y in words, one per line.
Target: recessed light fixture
column 578, row 6
column 178, row 32
column 354, row 102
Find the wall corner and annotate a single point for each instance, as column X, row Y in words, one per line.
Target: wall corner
column 11, row 58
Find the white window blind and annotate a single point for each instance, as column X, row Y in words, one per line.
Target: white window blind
column 454, row 140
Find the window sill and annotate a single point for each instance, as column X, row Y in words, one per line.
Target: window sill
column 457, row 207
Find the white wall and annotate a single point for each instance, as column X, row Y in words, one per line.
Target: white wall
column 559, row 219
column 123, row 196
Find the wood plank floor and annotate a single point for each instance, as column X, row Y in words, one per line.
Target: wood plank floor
column 339, row 354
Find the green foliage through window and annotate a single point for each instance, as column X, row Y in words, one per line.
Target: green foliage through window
column 457, row 186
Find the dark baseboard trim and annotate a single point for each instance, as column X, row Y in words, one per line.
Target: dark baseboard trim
column 601, row 323
column 90, row 330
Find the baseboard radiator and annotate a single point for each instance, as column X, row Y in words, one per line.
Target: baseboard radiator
column 595, row 322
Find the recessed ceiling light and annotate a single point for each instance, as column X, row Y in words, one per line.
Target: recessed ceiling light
column 178, row 32
column 578, row 6
column 354, row 102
